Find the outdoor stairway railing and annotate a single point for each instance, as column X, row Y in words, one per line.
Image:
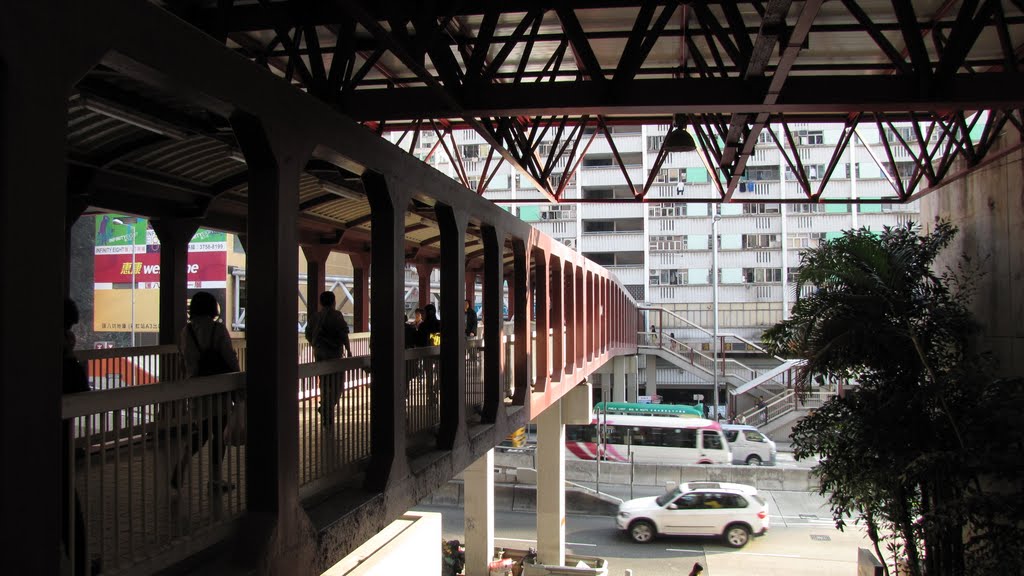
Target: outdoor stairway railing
column 702, row 362
column 784, row 403
column 708, row 335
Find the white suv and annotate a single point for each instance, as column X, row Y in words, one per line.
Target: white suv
column 734, row 511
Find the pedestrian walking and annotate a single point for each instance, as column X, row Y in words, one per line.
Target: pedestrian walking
column 328, row 332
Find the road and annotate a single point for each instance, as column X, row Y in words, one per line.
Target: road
column 802, row 541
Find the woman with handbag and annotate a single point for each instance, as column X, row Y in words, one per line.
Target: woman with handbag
column 206, row 348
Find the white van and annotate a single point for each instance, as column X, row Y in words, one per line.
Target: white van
column 749, row 446
column 649, row 440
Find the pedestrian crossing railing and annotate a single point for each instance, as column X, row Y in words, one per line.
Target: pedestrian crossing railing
column 335, row 402
column 151, row 472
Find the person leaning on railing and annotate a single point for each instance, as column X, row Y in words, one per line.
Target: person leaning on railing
column 74, row 380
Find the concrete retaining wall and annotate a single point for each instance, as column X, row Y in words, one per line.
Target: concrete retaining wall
column 761, row 477
column 523, row 498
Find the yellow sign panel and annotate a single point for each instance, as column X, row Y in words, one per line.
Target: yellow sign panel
column 112, row 311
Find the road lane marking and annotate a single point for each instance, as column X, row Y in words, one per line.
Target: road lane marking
column 683, row 550
column 523, row 540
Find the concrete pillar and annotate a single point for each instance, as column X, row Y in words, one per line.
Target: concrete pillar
column 471, row 274
column 494, row 351
column 423, row 274
column 452, row 224
column 280, row 528
column 582, row 334
column 511, row 305
column 478, row 510
column 632, row 378
column 652, row 375
column 174, row 237
column 33, row 130
column 551, row 485
column 569, row 316
column 619, row 379
column 316, row 276
column 388, row 207
column 542, row 305
column 519, row 299
column 360, row 292
column 556, row 286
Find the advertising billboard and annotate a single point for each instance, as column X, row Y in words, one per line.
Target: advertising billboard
column 127, row 254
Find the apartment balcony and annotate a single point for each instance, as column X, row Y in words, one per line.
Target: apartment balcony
column 727, row 293
column 611, row 176
column 612, row 242
column 624, row 143
column 612, row 211
column 684, row 259
column 628, row 274
column 558, row 229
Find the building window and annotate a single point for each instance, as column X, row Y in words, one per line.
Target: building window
column 905, row 169
column 762, row 275
column 810, row 137
column 756, row 173
column 598, row 226
column 662, row 243
column 667, row 210
column 807, row 208
column 805, row 240
column 668, row 277
column 670, row 176
column 760, row 208
column 654, row 143
column 754, row 241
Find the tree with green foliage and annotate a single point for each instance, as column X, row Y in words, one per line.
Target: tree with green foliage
column 926, row 448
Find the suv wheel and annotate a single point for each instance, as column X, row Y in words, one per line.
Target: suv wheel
column 736, row 535
column 641, row 531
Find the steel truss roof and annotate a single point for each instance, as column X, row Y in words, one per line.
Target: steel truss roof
column 517, row 71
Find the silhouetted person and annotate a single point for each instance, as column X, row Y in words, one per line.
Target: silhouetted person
column 430, row 325
column 206, row 348
column 410, row 334
column 328, row 333
column 471, row 320
column 74, row 380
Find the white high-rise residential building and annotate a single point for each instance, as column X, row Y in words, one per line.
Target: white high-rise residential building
column 661, row 248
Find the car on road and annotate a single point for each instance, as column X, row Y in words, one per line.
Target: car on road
column 732, row 511
column 749, row 446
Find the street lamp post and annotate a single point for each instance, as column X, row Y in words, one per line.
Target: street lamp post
column 714, row 312
column 131, row 222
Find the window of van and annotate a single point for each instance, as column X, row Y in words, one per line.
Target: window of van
column 752, row 436
column 680, row 438
column 711, row 439
column 730, row 435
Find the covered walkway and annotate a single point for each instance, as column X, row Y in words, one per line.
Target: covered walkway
column 139, row 112
column 238, row 116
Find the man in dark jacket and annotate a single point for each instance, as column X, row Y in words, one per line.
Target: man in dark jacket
column 471, row 320
column 430, row 325
column 327, row 332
